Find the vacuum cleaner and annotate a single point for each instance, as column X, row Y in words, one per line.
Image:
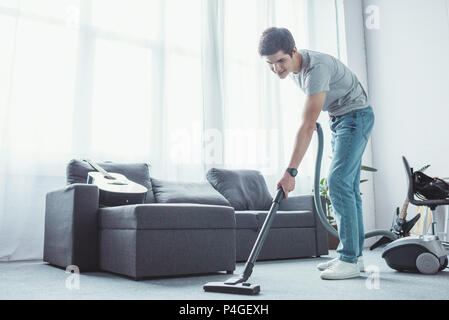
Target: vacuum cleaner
column 422, row 253
column 239, row 284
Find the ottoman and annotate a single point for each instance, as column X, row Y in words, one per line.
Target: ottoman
column 166, row 239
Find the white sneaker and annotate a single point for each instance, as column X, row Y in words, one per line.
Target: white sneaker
column 324, row 265
column 341, row 270
column 361, row 264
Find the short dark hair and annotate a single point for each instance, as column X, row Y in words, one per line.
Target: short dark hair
column 274, row 39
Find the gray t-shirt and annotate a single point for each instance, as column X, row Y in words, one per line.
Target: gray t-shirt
column 322, row 72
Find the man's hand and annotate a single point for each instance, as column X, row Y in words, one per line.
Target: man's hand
column 287, row 183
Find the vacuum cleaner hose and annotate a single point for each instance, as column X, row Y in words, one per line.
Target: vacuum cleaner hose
column 317, row 197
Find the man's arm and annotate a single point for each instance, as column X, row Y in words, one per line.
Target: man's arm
column 312, row 109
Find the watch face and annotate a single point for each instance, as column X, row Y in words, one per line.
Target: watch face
column 293, row 172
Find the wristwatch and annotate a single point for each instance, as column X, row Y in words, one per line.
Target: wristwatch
column 293, row 172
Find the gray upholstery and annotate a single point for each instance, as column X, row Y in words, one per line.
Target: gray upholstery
column 77, row 171
column 179, row 192
column 281, row 243
column 292, row 234
column 296, row 231
column 167, row 216
column 307, row 202
column 283, row 219
column 294, row 202
column 153, row 253
column 71, row 228
column 244, row 189
column 191, row 228
column 167, row 239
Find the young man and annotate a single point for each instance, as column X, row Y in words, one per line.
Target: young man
column 329, row 86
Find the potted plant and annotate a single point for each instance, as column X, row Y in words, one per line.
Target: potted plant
column 324, row 192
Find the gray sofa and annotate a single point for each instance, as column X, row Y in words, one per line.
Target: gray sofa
column 296, row 231
column 182, row 228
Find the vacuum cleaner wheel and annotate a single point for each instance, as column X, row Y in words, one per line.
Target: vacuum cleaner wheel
column 427, row 263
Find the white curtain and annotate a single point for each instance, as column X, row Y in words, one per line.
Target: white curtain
column 178, row 84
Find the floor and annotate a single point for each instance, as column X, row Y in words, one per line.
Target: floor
column 292, row 279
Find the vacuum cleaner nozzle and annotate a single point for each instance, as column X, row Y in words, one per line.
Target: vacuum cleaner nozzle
column 239, row 288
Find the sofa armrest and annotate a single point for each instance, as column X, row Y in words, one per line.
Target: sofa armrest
column 71, row 235
column 307, row 202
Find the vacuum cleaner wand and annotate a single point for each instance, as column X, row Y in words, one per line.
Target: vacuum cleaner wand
column 238, row 285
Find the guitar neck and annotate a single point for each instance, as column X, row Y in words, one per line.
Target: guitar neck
column 403, row 212
column 99, row 169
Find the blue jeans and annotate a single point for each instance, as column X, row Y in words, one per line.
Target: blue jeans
column 350, row 133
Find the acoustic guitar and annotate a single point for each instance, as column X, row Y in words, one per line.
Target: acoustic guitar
column 115, row 189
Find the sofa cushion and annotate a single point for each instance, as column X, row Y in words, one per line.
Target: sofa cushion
column 244, row 189
column 283, row 219
column 182, row 192
column 167, row 216
column 77, row 171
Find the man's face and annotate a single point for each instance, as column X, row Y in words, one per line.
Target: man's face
column 280, row 63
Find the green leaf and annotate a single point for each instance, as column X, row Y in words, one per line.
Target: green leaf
column 366, row 168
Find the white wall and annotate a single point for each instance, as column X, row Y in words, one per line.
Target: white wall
column 352, row 52
column 408, row 80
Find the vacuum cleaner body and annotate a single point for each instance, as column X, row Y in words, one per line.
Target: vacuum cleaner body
column 425, row 254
